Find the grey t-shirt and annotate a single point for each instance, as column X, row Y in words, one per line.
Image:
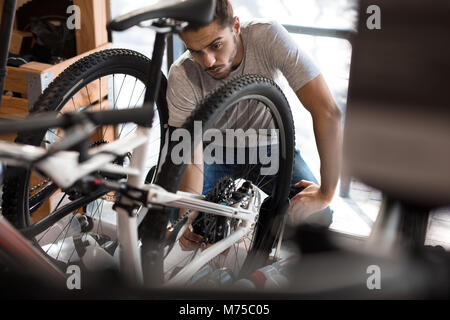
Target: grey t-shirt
column 268, row 50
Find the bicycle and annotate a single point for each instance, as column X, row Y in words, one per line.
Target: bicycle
column 234, row 211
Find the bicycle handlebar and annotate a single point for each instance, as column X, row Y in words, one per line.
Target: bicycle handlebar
column 141, row 116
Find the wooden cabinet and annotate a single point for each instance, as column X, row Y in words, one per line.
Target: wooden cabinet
column 30, row 80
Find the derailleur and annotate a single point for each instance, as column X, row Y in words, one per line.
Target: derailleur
column 214, row 228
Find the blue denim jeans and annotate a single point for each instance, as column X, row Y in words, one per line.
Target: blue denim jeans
column 214, row 172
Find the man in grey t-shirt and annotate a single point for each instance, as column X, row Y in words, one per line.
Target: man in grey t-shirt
column 225, row 49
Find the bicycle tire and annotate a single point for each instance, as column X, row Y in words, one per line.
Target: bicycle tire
column 169, row 177
column 16, row 196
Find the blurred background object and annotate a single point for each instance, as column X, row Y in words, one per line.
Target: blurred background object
column 397, row 139
column 397, row 136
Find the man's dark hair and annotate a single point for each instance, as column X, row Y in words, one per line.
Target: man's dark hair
column 223, row 15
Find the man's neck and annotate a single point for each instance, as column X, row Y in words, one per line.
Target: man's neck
column 240, row 54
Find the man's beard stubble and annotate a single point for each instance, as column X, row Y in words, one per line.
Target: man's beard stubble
column 230, row 61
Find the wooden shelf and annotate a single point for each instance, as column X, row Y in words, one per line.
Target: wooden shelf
column 32, row 78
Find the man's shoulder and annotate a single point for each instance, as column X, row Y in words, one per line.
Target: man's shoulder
column 259, row 25
column 183, row 64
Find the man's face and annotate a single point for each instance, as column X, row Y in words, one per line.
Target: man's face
column 214, row 48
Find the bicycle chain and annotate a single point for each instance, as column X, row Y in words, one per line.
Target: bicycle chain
column 180, row 219
column 105, row 197
column 39, row 185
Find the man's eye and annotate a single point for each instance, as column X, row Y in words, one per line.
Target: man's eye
column 217, row 46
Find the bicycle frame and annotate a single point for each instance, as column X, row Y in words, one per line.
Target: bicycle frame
column 25, row 255
column 64, row 169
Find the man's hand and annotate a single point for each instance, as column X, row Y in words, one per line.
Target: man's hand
column 190, row 241
column 308, row 201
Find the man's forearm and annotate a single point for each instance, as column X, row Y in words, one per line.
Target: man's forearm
column 193, row 176
column 318, row 100
column 192, row 180
column 328, row 133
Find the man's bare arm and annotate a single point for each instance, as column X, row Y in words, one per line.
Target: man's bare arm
column 192, row 180
column 317, row 99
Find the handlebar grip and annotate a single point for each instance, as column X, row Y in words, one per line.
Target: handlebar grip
column 141, row 116
column 32, row 123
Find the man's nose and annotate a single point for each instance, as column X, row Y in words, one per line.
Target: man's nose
column 209, row 60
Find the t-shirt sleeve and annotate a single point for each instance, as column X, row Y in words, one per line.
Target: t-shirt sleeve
column 284, row 53
column 181, row 98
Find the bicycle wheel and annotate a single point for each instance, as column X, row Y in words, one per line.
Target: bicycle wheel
column 109, row 79
column 254, row 105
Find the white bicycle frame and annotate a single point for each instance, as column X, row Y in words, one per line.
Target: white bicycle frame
column 64, row 169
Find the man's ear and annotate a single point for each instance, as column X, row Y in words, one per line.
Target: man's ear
column 237, row 26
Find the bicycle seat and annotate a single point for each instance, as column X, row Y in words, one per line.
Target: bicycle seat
column 192, row 11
